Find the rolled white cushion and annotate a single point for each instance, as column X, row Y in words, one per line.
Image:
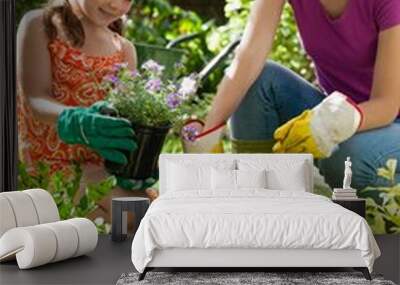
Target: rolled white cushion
column 40, row 244
column 23, row 208
column 33, row 246
column 7, row 218
column 87, row 235
column 66, row 238
column 26, row 208
column 45, row 206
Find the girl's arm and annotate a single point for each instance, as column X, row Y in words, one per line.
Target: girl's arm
column 130, row 55
column 34, row 68
column 248, row 61
column 384, row 104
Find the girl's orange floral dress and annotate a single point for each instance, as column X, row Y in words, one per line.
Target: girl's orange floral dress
column 75, row 82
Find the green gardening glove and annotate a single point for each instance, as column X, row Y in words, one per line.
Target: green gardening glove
column 106, row 135
column 134, row 184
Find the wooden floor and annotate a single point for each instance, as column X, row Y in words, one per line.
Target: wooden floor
column 103, row 266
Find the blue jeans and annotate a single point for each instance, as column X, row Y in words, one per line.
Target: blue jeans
column 279, row 95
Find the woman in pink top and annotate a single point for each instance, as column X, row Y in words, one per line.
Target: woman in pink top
column 355, row 46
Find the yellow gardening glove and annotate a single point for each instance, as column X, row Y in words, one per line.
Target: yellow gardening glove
column 320, row 130
column 195, row 140
column 295, row 136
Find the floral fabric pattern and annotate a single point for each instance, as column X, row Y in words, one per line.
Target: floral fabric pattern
column 76, row 79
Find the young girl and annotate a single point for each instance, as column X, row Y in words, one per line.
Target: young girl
column 64, row 52
column 355, row 46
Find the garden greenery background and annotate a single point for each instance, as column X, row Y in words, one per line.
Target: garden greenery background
column 157, row 22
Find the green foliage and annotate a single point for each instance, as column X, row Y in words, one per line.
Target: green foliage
column 65, row 190
column 237, row 13
column 383, row 214
column 102, row 226
column 173, row 144
column 29, row 181
column 24, row 6
column 286, row 49
column 157, row 22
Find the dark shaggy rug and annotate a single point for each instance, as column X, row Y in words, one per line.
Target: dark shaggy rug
column 242, row 278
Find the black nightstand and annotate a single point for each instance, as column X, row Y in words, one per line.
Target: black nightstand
column 355, row 205
column 120, row 207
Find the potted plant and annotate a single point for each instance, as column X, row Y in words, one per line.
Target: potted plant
column 153, row 104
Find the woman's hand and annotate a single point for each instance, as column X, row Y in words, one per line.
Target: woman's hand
column 196, row 139
column 250, row 57
column 320, row 130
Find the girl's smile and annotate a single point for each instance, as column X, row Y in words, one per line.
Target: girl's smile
column 103, row 12
column 107, row 15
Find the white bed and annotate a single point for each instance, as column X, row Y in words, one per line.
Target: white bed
column 280, row 225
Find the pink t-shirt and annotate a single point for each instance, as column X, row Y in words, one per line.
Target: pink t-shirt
column 344, row 49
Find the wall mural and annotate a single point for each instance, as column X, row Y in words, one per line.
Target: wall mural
column 68, row 69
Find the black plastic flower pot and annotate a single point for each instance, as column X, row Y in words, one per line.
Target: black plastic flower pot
column 143, row 162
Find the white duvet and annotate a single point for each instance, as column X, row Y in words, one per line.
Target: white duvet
column 250, row 219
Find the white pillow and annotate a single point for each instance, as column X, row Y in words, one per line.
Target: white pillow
column 186, row 174
column 236, row 179
column 223, row 179
column 182, row 178
column 286, row 174
column 251, row 178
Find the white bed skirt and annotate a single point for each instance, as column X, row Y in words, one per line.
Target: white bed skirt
column 178, row 257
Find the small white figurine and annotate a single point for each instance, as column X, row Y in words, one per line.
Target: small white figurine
column 347, row 174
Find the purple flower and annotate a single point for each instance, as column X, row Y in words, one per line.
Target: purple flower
column 153, row 67
column 188, row 87
column 190, row 133
column 112, row 78
column 153, row 85
column 118, row 66
column 173, row 100
column 135, row 73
